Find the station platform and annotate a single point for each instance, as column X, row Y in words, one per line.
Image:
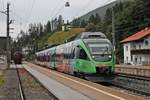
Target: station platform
column 66, row 87
column 61, row 91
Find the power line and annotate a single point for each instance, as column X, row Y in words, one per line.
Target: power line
column 56, row 6
column 27, row 16
column 86, row 6
column 30, row 13
column 59, row 10
column 2, row 4
column 83, row 8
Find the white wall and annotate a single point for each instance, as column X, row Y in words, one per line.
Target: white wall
column 127, row 53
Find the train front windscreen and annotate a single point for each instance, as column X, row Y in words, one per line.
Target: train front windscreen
column 100, row 51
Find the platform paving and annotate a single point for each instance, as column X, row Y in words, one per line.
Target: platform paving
column 61, row 91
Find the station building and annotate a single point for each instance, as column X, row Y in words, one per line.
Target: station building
column 137, row 48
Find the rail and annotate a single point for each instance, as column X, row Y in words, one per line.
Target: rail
column 134, row 83
column 20, row 86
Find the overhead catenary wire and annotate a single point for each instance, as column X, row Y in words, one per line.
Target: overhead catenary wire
column 87, row 5
column 2, row 4
column 83, row 8
column 19, row 21
column 55, row 15
column 30, row 13
column 60, row 9
column 25, row 18
column 54, row 10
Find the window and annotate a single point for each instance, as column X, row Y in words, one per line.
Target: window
column 146, row 42
column 82, row 54
column 134, row 46
column 136, row 60
column 140, row 59
column 131, row 57
column 139, row 46
column 126, row 48
column 127, row 59
column 72, row 55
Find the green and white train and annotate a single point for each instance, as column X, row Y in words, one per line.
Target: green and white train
column 90, row 55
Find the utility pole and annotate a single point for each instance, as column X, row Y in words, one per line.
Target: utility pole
column 8, row 38
column 113, row 29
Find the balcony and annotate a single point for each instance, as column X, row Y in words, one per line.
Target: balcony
column 140, row 51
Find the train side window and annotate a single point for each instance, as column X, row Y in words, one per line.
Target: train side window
column 77, row 51
column 82, row 54
column 73, row 54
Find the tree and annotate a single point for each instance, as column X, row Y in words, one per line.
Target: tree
column 41, row 29
column 108, row 16
column 97, row 19
column 90, row 27
column 48, row 27
column 76, row 23
column 83, row 24
column 92, row 19
column 68, row 23
column 60, row 23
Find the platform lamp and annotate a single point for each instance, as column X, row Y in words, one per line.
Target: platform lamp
column 67, row 4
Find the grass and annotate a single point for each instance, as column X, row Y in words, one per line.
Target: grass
column 1, row 80
column 57, row 37
column 61, row 36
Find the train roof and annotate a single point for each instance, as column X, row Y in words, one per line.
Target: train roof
column 86, row 36
column 44, row 51
column 89, row 35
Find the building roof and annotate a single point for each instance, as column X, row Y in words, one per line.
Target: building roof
column 137, row 36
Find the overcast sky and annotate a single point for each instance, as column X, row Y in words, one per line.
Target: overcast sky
column 35, row 11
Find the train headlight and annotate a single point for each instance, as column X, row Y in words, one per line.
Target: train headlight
column 93, row 56
column 110, row 56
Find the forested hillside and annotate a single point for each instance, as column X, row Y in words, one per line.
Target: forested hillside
column 130, row 16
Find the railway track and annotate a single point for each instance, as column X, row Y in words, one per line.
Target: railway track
column 22, row 95
column 133, row 83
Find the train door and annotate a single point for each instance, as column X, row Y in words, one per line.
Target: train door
column 83, row 63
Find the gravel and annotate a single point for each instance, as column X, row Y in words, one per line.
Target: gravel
column 10, row 90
